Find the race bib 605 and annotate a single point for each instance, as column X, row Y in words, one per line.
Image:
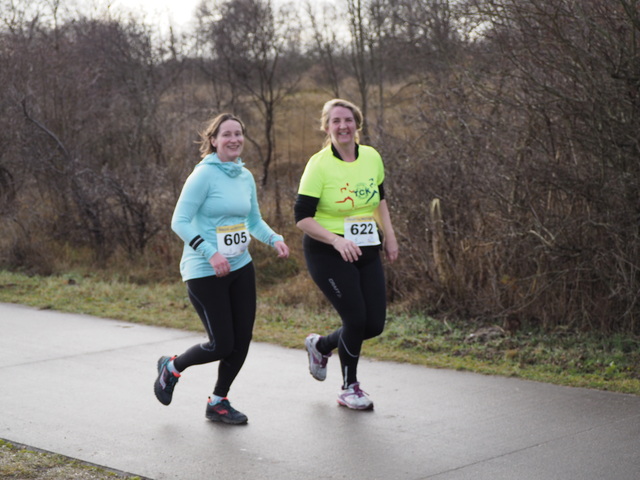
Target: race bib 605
column 232, row 239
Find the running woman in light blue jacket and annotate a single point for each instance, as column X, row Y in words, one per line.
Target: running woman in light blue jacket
column 216, row 216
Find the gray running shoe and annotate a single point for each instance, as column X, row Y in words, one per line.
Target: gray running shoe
column 353, row 397
column 317, row 361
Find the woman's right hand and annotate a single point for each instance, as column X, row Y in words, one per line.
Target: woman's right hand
column 220, row 264
column 349, row 250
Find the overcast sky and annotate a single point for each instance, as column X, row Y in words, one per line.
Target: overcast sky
column 175, row 12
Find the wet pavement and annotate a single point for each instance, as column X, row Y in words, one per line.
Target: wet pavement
column 82, row 387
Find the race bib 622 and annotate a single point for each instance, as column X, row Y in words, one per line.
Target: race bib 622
column 362, row 230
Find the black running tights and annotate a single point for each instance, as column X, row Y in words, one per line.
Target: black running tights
column 227, row 307
column 357, row 292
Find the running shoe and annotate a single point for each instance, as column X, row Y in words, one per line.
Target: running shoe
column 353, row 397
column 166, row 381
column 317, row 361
column 225, row 413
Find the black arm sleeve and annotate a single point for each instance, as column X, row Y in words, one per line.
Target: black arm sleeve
column 381, row 190
column 305, row 207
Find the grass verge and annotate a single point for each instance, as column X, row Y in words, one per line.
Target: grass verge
column 561, row 357
column 20, row 462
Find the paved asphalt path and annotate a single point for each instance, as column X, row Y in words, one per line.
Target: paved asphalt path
column 82, row 386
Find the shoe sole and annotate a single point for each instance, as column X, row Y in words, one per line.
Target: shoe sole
column 217, row 419
column 342, row 404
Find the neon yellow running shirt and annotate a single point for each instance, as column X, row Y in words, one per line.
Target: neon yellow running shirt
column 344, row 189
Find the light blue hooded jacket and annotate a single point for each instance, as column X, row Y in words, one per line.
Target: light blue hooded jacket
column 216, row 194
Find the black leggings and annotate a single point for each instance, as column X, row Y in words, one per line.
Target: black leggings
column 227, row 308
column 357, row 292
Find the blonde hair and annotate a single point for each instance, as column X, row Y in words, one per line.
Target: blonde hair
column 211, row 131
column 326, row 113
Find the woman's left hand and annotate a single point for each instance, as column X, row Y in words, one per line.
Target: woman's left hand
column 390, row 246
column 282, row 249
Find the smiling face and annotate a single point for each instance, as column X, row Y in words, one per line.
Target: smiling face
column 341, row 126
column 229, row 141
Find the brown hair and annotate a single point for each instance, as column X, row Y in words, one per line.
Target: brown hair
column 211, row 131
column 326, row 113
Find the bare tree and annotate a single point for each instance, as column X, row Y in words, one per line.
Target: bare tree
column 360, row 57
column 531, row 145
column 84, row 100
column 399, row 42
column 257, row 49
column 326, row 45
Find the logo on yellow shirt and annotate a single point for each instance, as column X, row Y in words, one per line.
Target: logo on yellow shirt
column 361, row 194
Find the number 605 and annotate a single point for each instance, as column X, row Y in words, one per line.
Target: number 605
column 235, row 238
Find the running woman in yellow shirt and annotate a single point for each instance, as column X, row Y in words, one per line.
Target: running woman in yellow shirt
column 341, row 208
